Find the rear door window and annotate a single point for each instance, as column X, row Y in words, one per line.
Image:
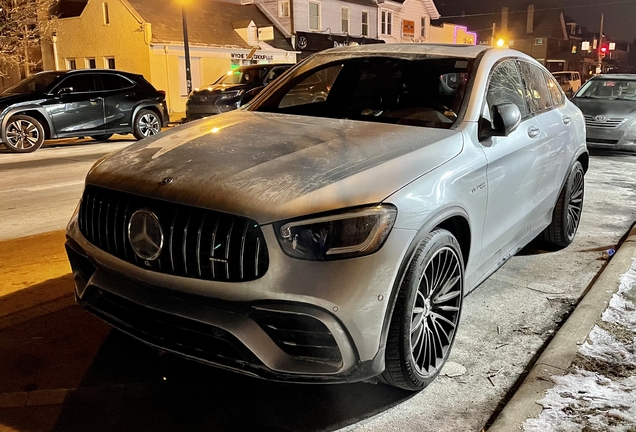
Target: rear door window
column 111, row 82
column 537, row 92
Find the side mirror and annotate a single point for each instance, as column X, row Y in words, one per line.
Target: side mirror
column 64, row 90
column 506, row 117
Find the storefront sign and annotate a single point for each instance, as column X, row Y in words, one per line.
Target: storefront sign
column 306, row 41
column 247, row 56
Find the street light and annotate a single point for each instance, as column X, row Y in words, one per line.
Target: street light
column 186, row 47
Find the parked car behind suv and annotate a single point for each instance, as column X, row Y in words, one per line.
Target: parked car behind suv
column 78, row 103
column 235, row 88
column 570, row 81
column 608, row 103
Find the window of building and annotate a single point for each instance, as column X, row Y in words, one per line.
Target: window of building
column 314, row 16
column 106, row 14
column 344, row 19
column 386, row 23
column 365, row 23
column 109, row 62
column 538, row 41
column 423, row 27
column 71, row 64
column 91, row 63
column 283, row 8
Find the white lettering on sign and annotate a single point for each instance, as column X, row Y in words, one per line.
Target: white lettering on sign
column 244, row 56
column 342, row 44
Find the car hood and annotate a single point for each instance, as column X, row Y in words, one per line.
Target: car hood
column 7, row 99
column 271, row 167
column 217, row 88
column 617, row 107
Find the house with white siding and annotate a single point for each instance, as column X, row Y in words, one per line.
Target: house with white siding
column 406, row 21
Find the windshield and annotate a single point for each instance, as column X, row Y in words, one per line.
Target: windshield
column 415, row 90
column 36, row 83
column 608, row 89
column 239, row 76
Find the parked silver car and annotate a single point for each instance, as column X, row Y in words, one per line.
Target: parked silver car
column 333, row 239
column 608, row 103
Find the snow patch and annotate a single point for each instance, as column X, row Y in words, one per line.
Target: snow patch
column 587, row 400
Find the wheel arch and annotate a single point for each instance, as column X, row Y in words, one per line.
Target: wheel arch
column 151, row 107
column 36, row 112
column 453, row 219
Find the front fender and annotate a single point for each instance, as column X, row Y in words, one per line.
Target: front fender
column 24, row 107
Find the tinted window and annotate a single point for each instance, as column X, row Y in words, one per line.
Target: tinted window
column 274, row 73
column 608, row 89
column 506, row 86
column 36, row 83
column 537, row 92
column 555, row 90
column 420, row 91
column 79, row 83
column 113, row 82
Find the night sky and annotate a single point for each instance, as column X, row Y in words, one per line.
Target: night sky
column 620, row 16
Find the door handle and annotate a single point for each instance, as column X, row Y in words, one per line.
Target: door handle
column 533, row 132
column 567, row 119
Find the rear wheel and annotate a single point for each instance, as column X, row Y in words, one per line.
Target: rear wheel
column 426, row 315
column 567, row 211
column 147, row 123
column 24, row 134
column 103, row 137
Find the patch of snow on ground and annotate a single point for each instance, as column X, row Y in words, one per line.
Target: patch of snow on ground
column 587, row 400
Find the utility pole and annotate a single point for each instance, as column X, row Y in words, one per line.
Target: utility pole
column 599, row 68
column 186, row 46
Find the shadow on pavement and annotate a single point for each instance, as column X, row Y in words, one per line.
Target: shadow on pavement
column 132, row 387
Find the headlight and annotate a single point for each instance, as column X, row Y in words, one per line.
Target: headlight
column 230, row 94
column 633, row 124
column 343, row 235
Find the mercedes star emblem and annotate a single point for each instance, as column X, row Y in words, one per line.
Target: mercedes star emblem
column 145, row 234
column 599, row 118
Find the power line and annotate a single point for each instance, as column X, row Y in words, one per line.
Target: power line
column 544, row 9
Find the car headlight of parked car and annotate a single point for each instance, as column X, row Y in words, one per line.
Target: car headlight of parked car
column 342, row 235
column 231, row 94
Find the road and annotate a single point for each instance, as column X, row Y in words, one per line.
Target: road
column 111, row 382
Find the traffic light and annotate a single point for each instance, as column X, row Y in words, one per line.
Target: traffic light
column 603, row 50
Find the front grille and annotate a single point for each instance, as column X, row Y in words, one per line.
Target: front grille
column 609, row 123
column 193, row 338
column 601, row 141
column 204, row 99
column 198, row 243
column 301, row 336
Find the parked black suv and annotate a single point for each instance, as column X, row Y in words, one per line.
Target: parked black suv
column 88, row 102
column 235, row 88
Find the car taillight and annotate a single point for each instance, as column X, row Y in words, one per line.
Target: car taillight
column 162, row 92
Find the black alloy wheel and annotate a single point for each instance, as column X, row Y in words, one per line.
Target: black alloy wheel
column 427, row 312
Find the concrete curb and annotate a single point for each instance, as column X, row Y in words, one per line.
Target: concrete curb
column 558, row 356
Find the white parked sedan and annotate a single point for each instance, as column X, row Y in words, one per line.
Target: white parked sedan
column 333, row 239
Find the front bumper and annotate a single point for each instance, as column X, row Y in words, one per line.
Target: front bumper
column 621, row 138
column 195, row 112
column 338, row 307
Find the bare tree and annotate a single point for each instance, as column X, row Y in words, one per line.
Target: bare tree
column 24, row 25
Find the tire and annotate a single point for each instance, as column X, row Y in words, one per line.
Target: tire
column 426, row 315
column 103, row 137
column 147, row 123
column 567, row 211
column 24, row 134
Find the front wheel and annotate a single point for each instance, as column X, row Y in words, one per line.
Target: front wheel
column 567, row 211
column 24, row 134
column 426, row 315
column 147, row 123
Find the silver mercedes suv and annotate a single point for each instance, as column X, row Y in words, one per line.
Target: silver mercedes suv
column 333, row 239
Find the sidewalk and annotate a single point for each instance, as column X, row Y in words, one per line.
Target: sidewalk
column 557, row 359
